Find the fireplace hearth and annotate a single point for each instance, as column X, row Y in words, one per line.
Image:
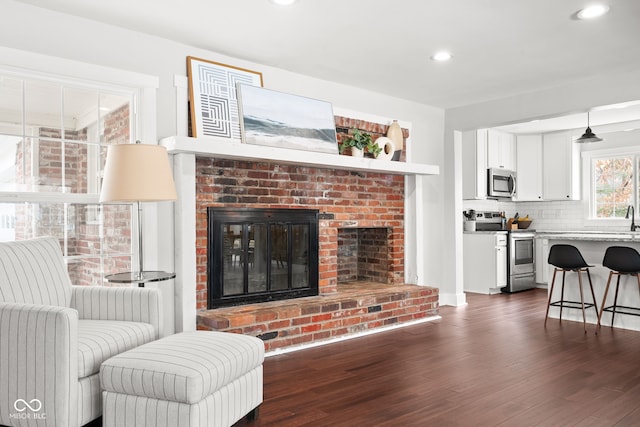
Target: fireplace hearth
column 259, row 255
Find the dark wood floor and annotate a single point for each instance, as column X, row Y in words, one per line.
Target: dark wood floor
column 488, row 363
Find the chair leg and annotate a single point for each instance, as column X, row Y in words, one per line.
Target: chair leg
column 553, row 282
column 564, row 272
column 593, row 295
column 615, row 299
column 253, row 414
column 638, row 278
column 604, row 299
column 584, row 317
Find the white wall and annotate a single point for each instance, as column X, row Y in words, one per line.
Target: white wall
column 38, row 30
column 576, row 97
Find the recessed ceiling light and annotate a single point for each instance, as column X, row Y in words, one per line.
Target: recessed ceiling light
column 441, row 56
column 593, row 11
column 283, row 2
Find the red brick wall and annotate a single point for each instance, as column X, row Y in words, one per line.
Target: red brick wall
column 117, row 126
column 347, row 255
column 363, row 255
column 352, row 199
column 81, row 221
column 373, row 255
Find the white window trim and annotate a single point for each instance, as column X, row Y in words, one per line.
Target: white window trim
column 588, row 190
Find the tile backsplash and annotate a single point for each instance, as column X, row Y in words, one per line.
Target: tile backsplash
column 559, row 215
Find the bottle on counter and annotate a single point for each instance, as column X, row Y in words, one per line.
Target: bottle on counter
column 503, row 220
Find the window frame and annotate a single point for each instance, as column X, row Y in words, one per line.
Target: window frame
column 588, row 182
column 58, row 196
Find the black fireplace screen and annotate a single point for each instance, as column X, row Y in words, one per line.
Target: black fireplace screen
column 257, row 255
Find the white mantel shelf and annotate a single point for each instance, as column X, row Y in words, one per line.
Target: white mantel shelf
column 232, row 149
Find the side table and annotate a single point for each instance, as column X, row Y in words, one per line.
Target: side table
column 139, row 277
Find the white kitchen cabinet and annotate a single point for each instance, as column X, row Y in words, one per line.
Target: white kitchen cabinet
column 501, row 265
column 474, row 164
column 542, row 266
column 529, row 185
column 485, row 262
column 560, row 167
column 501, row 152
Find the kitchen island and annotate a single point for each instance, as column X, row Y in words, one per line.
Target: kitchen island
column 592, row 245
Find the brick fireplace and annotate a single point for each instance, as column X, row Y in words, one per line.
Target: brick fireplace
column 361, row 236
column 349, row 204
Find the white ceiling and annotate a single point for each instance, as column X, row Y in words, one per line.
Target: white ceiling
column 607, row 118
column 501, row 47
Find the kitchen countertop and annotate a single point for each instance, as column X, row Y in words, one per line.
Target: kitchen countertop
column 588, row 235
column 593, row 235
column 486, row 232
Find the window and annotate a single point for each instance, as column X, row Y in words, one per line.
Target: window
column 54, row 135
column 613, row 182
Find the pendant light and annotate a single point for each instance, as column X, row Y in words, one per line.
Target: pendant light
column 588, row 136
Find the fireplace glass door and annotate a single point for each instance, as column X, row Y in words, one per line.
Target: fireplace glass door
column 261, row 255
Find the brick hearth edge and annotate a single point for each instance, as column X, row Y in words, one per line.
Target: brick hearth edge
column 356, row 307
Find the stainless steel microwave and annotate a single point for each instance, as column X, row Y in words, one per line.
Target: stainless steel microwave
column 501, row 183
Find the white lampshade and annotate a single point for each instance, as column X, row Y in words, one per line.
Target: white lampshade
column 137, row 173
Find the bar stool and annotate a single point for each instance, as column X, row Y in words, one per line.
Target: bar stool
column 568, row 258
column 622, row 261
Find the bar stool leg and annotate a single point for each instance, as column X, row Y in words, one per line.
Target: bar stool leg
column 553, row 282
column 584, row 317
column 564, row 272
column 604, row 299
column 615, row 300
column 593, row 295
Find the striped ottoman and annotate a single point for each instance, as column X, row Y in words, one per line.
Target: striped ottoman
column 192, row 379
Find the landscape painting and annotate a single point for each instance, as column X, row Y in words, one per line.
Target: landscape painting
column 282, row 120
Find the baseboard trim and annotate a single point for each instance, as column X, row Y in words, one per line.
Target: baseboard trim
column 454, row 300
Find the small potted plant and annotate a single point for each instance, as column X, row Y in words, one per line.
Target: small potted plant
column 358, row 142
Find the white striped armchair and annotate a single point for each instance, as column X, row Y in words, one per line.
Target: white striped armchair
column 54, row 336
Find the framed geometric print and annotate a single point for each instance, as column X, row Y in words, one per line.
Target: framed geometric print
column 213, row 98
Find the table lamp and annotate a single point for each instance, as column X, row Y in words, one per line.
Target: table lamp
column 138, row 173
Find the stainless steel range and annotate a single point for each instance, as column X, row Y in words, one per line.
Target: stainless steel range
column 521, row 271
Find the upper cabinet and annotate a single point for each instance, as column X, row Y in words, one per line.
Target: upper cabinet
column 501, row 151
column 529, row 167
column 474, row 164
column 561, row 170
column 546, row 165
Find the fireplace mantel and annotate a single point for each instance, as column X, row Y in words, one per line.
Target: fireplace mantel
column 232, row 149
